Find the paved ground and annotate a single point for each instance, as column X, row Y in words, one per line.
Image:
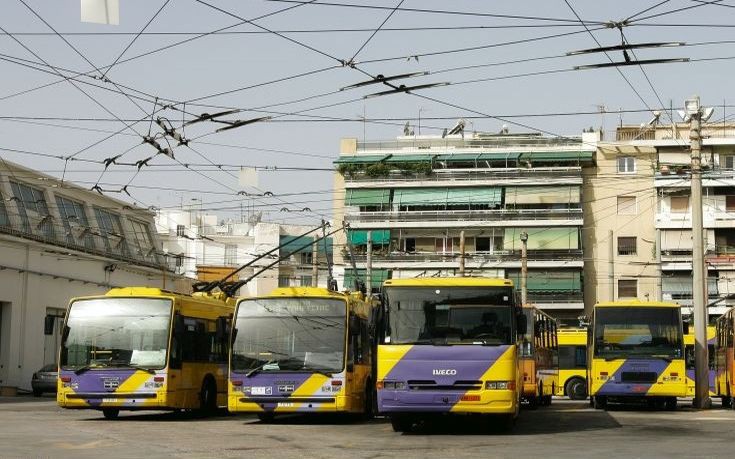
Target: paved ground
column 37, row 428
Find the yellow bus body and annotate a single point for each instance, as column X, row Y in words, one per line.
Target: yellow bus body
column 689, row 352
column 725, row 358
column 164, row 389
column 539, row 357
column 347, row 391
column 573, row 341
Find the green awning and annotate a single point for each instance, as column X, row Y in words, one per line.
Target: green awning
column 377, row 277
column 551, row 282
column 410, row 158
column 420, row 196
column 367, row 197
column 359, row 237
column 295, row 244
column 560, row 238
column 360, row 159
column 553, row 156
column 489, row 196
column 479, row 156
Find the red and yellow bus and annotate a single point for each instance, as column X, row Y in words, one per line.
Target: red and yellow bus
column 636, row 352
column 572, row 363
column 301, row 349
column 144, row 348
column 539, row 357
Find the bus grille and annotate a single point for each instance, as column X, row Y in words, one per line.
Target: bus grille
column 461, row 385
column 639, row 376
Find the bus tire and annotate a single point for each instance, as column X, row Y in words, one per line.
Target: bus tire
column 670, row 404
column 208, row 396
column 266, row 417
column 726, row 402
column 401, row 423
column 369, row 401
column 576, row 389
column 533, row 402
column 110, row 413
column 599, row 402
column 506, row 422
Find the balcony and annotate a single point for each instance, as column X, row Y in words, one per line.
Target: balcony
column 459, row 216
column 567, row 174
column 94, row 241
column 471, row 257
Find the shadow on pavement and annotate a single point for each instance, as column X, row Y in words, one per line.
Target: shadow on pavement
column 158, row 416
column 327, row 419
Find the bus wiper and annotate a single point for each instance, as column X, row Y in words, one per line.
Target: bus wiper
column 122, row 363
column 260, row 367
column 82, row 369
column 662, row 357
column 610, row 358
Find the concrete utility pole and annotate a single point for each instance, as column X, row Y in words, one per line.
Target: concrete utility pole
column 524, row 268
column 611, row 266
column 461, row 253
column 315, row 265
column 694, row 114
column 369, row 265
column 659, row 267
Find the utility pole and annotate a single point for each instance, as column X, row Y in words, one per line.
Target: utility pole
column 369, row 265
column 461, row 253
column 694, row 114
column 524, row 268
column 611, row 266
column 315, row 265
column 659, row 273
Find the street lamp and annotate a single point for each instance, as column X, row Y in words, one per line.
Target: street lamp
column 694, row 113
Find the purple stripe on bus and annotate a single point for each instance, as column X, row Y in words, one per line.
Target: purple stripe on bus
column 273, row 382
column 712, row 376
column 442, row 364
column 615, row 386
column 93, row 381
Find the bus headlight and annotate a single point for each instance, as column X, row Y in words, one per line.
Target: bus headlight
column 392, row 385
column 500, row 385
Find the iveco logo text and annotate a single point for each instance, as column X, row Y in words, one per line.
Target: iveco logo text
column 444, row 372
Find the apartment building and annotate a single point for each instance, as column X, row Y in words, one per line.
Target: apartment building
column 417, row 194
column 206, row 248
column 58, row 241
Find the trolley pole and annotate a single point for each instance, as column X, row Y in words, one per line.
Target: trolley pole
column 701, row 380
column 315, row 265
column 524, row 268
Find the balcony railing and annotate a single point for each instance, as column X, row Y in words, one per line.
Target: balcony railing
column 88, row 240
column 498, row 255
column 439, row 175
column 462, row 215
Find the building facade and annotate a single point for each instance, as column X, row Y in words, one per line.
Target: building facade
column 59, row 241
column 206, row 249
column 417, row 195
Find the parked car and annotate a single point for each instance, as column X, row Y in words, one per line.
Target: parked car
column 44, row 380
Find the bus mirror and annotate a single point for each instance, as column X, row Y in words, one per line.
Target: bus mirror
column 354, row 324
column 48, row 325
column 522, row 324
column 221, row 332
column 686, row 328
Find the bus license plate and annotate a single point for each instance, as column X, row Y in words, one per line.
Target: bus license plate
column 262, row 390
column 109, row 400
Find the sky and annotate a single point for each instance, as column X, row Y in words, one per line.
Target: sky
column 64, row 111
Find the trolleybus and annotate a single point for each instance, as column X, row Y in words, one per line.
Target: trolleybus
column 572, row 363
column 144, row 348
column 636, row 351
column 301, row 349
column 725, row 367
column 539, row 357
column 689, row 354
column 448, row 345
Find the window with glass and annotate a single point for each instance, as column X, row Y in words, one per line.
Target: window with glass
column 74, row 218
column 409, row 244
column 111, row 231
column 572, row 357
column 627, row 288
column 626, row 164
column 143, row 240
column 654, row 332
column 4, row 219
column 34, row 214
column 290, row 334
column 116, row 332
column 180, row 230
column 230, row 254
column 627, row 245
column 449, row 315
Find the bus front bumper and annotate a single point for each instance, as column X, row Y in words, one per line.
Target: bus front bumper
column 483, row 402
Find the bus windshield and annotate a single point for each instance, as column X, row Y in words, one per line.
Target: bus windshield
column 449, row 315
column 116, row 332
column 638, row 331
column 289, row 334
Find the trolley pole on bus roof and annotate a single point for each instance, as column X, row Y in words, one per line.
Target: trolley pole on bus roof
column 524, row 268
column 694, row 113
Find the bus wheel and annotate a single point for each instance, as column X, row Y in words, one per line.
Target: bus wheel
column 110, row 413
column 671, row 403
column 505, row 422
column 533, row 402
column 599, row 402
column 369, row 401
column 576, row 389
column 266, row 417
column 401, row 423
column 208, row 397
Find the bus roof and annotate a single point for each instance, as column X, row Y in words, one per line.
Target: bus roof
column 637, row 303
column 449, row 282
column 152, row 292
